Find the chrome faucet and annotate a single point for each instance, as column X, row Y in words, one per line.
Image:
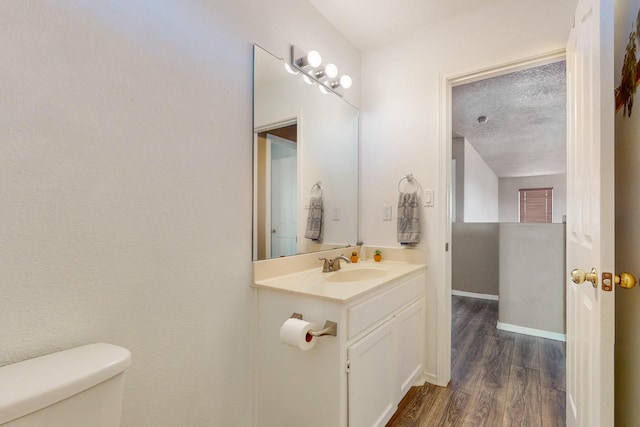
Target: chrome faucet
column 333, row 264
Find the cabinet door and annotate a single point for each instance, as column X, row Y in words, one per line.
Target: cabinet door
column 371, row 378
column 408, row 331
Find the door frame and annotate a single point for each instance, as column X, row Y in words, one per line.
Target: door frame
column 295, row 120
column 443, row 297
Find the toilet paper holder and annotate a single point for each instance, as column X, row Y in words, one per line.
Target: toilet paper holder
column 330, row 328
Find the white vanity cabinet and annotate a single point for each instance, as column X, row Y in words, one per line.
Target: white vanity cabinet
column 372, row 378
column 385, row 363
column 409, row 333
column 355, row 379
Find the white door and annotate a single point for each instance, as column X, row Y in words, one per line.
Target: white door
column 590, row 214
column 284, row 201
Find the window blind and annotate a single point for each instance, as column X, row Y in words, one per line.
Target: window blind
column 536, row 204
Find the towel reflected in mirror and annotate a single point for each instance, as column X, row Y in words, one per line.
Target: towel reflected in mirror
column 315, row 218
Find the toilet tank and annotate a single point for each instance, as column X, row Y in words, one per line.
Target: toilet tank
column 79, row 387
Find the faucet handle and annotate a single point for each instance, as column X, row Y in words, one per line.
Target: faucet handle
column 326, row 268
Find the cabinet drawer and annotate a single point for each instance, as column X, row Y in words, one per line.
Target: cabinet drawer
column 367, row 313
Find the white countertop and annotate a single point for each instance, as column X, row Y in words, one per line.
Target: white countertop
column 315, row 283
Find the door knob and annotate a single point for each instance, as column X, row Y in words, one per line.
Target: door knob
column 625, row 280
column 578, row 276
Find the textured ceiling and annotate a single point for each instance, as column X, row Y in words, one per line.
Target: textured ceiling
column 525, row 132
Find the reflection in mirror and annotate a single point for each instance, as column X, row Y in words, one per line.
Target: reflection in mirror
column 305, row 164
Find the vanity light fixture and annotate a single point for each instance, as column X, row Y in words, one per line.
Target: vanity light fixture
column 329, row 71
column 311, row 59
column 310, row 64
column 344, row 81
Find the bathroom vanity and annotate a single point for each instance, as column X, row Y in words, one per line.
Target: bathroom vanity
column 357, row 377
column 353, row 379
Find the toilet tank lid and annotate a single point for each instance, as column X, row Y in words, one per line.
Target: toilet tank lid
column 36, row 383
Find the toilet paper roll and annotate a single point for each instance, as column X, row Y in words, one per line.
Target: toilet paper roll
column 295, row 332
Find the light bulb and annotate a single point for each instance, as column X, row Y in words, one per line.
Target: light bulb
column 314, row 59
column 289, row 69
column 345, row 81
column 331, row 71
column 323, row 89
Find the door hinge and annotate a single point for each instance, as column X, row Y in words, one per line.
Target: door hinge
column 347, row 367
column 446, row 247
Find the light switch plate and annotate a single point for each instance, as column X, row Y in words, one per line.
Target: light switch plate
column 388, row 209
column 335, row 215
column 427, row 198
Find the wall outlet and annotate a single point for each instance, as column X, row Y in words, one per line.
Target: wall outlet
column 387, row 212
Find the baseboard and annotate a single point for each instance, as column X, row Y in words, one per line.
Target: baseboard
column 530, row 331
column 430, row 378
column 474, row 295
column 422, row 378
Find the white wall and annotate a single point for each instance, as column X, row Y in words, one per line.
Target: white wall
column 510, row 196
column 125, row 182
column 627, row 129
column 400, row 115
column 480, row 188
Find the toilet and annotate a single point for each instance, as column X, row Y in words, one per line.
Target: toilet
column 79, row 387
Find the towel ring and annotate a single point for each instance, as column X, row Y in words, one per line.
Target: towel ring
column 317, row 185
column 411, row 180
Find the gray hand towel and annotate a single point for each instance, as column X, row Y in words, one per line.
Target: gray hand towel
column 315, row 217
column 409, row 218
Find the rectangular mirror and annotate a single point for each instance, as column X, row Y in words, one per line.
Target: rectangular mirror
column 305, row 163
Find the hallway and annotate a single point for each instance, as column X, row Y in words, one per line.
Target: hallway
column 498, row 378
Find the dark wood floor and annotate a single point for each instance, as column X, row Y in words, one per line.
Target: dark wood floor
column 498, row 378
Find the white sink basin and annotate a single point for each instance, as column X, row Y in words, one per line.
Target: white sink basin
column 357, row 274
